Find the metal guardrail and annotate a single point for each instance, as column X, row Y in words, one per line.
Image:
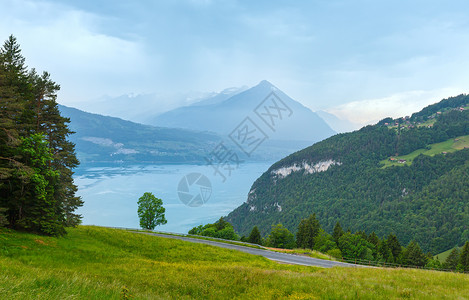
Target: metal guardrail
column 395, row 265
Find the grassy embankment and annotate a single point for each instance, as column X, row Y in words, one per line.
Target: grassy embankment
column 448, row 146
column 97, row 263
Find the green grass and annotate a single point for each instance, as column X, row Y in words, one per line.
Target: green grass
column 451, row 145
column 427, row 123
column 97, row 263
column 444, row 255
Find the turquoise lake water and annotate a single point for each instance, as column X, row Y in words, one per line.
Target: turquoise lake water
column 111, row 193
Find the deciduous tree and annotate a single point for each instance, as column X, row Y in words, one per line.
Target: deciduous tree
column 281, row 237
column 151, row 211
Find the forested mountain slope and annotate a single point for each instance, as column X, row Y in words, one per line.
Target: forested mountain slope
column 343, row 179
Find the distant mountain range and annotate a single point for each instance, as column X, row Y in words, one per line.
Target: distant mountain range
column 188, row 134
column 108, row 140
column 407, row 176
column 141, row 108
column 102, row 139
column 279, row 117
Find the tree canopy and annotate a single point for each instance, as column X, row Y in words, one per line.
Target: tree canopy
column 151, row 211
column 255, row 236
column 281, row 237
column 37, row 192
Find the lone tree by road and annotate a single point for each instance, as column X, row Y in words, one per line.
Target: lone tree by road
column 150, row 211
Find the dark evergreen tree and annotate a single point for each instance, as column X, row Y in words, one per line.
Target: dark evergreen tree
column 394, row 247
column 452, row 261
column 374, row 239
column 220, row 224
column 384, row 253
column 338, row 232
column 308, row 229
column 12, row 82
column 13, row 64
column 464, row 260
column 255, row 236
column 414, row 255
column 46, row 119
column 3, row 219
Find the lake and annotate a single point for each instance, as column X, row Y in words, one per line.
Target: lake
column 111, row 193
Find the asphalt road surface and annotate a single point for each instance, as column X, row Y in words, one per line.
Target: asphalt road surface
column 276, row 256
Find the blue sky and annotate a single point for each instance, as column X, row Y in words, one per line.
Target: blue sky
column 359, row 59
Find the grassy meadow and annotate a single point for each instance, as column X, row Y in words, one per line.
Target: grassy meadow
column 99, row 263
column 444, row 255
column 450, row 145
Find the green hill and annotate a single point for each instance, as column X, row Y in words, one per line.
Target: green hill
column 342, row 179
column 444, row 255
column 98, row 263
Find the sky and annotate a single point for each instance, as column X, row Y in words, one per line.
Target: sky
column 361, row 60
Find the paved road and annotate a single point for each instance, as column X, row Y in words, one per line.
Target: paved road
column 277, row 256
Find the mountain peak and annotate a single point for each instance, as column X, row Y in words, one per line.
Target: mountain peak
column 265, row 83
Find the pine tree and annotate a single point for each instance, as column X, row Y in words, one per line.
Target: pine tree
column 384, row 252
column 464, row 259
column 13, row 89
column 452, row 261
column 394, row 246
column 337, row 233
column 414, row 255
column 221, row 224
column 3, row 219
column 302, row 238
column 13, row 63
column 36, row 159
column 47, row 120
column 374, row 239
column 255, row 236
column 308, row 229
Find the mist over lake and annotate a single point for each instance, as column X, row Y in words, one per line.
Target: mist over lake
column 111, row 192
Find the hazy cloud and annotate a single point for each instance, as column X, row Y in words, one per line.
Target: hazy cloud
column 370, row 111
column 322, row 53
